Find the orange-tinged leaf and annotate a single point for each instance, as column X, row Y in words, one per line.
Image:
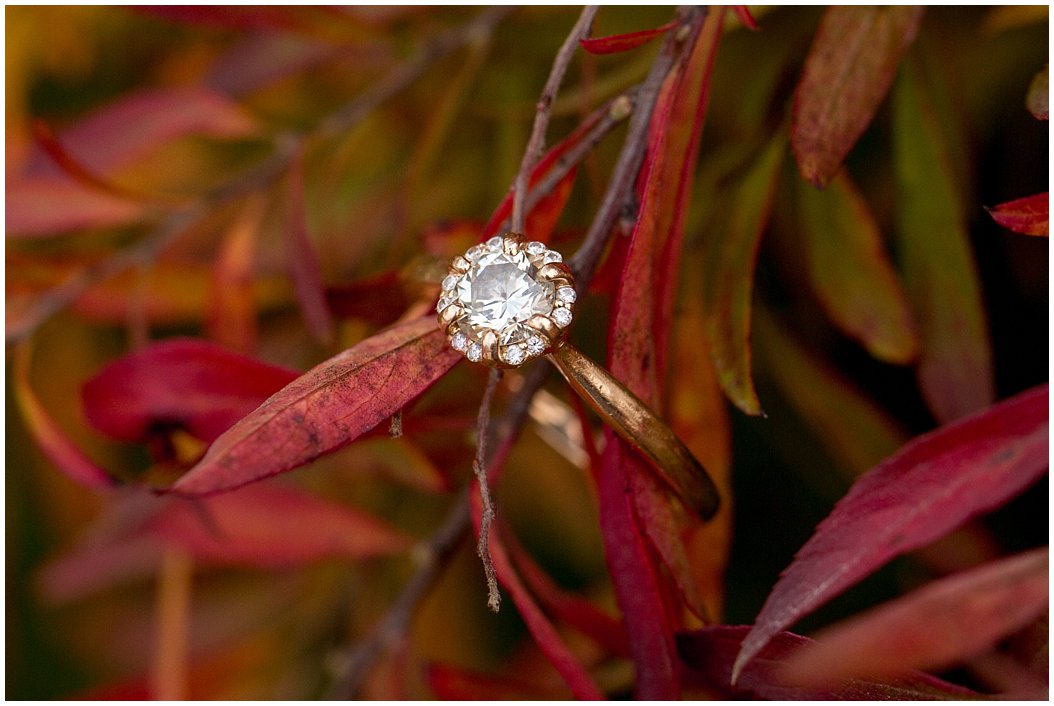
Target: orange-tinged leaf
column 303, row 260
column 267, row 525
column 45, row 206
column 850, row 271
column 52, row 440
column 731, row 256
column 950, row 619
column 231, row 318
column 955, row 362
column 623, row 42
column 1038, row 99
column 744, row 16
column 928, row 488
column 326, row 408
column 1030, row 215
column 854, row 431
column 850, row 66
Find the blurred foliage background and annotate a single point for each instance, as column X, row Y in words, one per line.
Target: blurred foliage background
column 410, row 183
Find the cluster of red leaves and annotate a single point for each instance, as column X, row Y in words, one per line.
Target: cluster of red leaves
column 259, row 420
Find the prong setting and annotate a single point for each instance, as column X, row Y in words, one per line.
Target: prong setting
column 506, row 301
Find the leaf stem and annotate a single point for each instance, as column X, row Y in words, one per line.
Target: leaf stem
column 479, row 467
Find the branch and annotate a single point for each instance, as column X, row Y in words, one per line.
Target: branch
column 479, row 467
column 536, row 143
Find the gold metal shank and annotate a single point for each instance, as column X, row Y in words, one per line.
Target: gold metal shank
column 635, row 422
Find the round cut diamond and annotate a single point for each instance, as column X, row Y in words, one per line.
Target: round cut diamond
column 494, row 244
column 535, row 248
column 514, row 355
column 459, row 341
column 474, row 352
column 552, row 256
column 501, row 289
column 535, row 345
column 562, row 316
column 566, row 294
column 449, row 281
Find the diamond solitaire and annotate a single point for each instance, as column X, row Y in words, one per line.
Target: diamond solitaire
column 505, row 302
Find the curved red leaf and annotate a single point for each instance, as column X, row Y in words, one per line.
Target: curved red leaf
column 274, row 526
column 543, row 632
column 848, row 71
column 950, row 619
column 1029, row 215
column 39, row 207
column 623, row 42
column 326, row 408
column 185, row 383
column 931, row 486
column 711, row 651
column 743, row 13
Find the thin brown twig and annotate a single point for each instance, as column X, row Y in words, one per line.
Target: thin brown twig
column 175, row 222
column 479, row 467
column 536, row 143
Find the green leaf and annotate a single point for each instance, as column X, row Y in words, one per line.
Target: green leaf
column 850, row 271
column 955, row 363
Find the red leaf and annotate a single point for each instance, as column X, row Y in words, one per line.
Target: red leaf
column 743, row 13
column 573, row 610
column 138, row 122
column 326, row 408
column 950, row 619
column 46, row 206
column 710, row 653
column 636, row 581
column 929, row 487
column 231, row 317
column 543, row 632
column 93, row 569
column 187, row 383
column 848, row 71
column 52, row 440
column 541, row 219
column 274, row 526
column 1030, row 215
column 623, row 42
column 303, row 260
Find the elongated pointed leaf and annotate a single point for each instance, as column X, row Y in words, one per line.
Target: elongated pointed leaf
column 326, row 408
column 848, row 71
column 711, row 651
column 928, row 488
column 543, row 632
column 46, row 206
column 623, row 42
column 273, row 526
column 231, row 319
column 731, row 256
column 955, row 365
column 182, row 383
column 1030, row 215
column 950, row 619
column 744, row 16
column 850, row 271
column 451, row 683
column 53, row 442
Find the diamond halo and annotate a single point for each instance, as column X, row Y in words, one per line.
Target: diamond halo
column 505, row 302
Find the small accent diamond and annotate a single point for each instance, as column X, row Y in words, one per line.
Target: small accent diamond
column 473, row 253
column 535, row 345
column 444, row 302
column 562, row 316
column 552, row 256
column 535, row 248
column 474, row 352
column 459, row 341
column 514, row 355
column 566, row 294
column 494, row 244
column 449, row 281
